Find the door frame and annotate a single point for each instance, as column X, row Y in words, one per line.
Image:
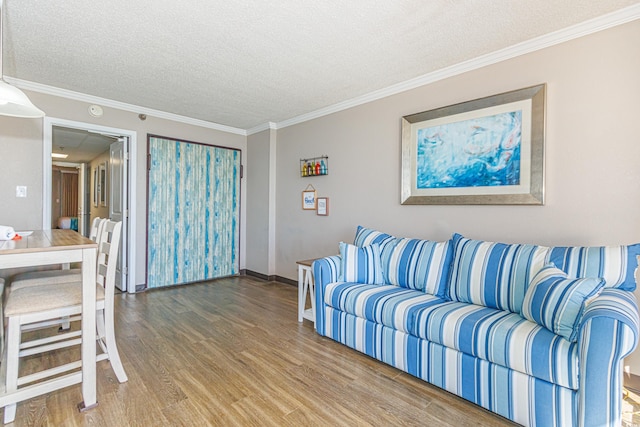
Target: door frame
column 123, row 141
column 49, row 123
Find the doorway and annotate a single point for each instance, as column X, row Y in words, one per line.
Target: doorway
column 66, row 186
column 104, row 189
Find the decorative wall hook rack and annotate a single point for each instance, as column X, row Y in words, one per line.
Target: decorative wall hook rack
column 314, row 166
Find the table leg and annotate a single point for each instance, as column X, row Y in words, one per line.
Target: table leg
column 300, row 293
column 11, row 361
column 89, row 394
column 312, row 294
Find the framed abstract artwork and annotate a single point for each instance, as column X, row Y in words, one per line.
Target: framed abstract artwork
column 481, row 152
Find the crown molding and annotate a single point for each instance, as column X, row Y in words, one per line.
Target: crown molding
column 262, row 128
column 585, row 28
column 77, row 96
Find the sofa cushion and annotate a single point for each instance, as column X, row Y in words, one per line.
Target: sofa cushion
column 367, row 236
column 361, row 265
column 417, row 264
column 615, row 264
column 556, row 302
column 387, row 305
column 493, row 274
column 499, row 337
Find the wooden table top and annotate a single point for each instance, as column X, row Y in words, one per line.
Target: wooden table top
column 46, row 240
column 306, row 262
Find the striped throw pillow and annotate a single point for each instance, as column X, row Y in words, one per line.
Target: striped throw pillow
column 615, row 264
column 556, row 302
column 361, row 265
column 493, row 274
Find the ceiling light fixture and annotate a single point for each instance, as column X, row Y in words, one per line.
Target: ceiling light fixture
column 14, row 102
column 59, row 155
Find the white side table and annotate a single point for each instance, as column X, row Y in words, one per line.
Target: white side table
column 306, row 286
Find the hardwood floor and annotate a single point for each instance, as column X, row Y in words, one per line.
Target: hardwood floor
column 231, row 352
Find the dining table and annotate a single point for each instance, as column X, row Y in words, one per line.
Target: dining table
column 51, row 247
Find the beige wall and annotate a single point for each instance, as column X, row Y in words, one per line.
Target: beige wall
column 257, row 173
column 21, row 164
column 592, row 152
column 21, row 143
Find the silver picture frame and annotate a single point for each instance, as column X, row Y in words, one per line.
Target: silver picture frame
column 444, row 164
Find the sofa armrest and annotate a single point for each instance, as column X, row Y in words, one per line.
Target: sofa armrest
column 325, row 271
column 608, row 333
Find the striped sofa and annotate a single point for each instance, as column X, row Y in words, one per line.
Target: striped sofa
column 534, row 334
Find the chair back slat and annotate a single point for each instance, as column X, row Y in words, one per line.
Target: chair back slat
column 93, row 232
column 108, row 255
column 102, row 270
column 105, row 247
column 99, row 236
column 101, row 223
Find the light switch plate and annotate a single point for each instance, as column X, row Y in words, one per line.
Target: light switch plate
column 21, row 191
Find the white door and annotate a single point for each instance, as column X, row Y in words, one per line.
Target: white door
column 118, row 206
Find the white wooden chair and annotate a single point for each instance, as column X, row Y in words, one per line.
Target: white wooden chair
column 54, row 277
column 37, row 306
column 1, row 315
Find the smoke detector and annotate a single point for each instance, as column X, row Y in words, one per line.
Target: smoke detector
column 95, row 110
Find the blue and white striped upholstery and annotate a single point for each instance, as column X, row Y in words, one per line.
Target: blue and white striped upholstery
column 493, row 358
column 556, row 302
column 511, row 341
column 388, row 305
column 417, row 264
column 361, row 265
column 609, row 332
column 522, row 398
column 493, row 274
column 325, row 270
column 507, row 340
column 411, row 263
column 367, row 236
column 615, row 264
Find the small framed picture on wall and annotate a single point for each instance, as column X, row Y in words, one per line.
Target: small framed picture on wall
column 323, row 206
column 309, row 198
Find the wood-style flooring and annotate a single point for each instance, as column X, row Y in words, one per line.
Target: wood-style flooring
column 230, row 352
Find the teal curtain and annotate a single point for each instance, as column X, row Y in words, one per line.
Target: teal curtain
column 193, row 212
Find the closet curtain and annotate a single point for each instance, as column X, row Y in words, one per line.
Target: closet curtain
column 193, row 212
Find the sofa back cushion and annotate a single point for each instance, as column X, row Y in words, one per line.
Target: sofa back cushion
column 367, row 236
column 417, row 264
column 493, row 274
column 615, row 264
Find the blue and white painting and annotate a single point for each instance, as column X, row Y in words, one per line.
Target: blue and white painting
column 479, row 152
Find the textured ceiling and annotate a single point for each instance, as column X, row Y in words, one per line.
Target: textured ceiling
column 243, row 63
column 79, row 145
